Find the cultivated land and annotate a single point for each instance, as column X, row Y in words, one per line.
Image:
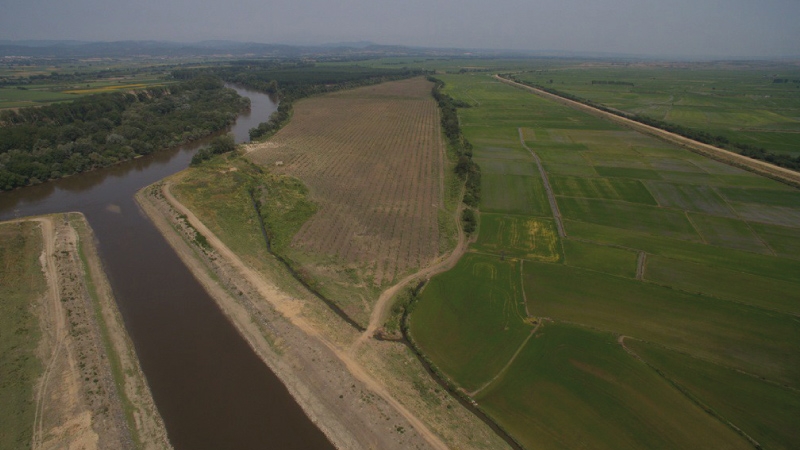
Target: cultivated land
column 362, row 392
column 71, row 375
column 23, row 86
column 739, row 101
column 372, row 159
column 614, row 277
column 675, row 271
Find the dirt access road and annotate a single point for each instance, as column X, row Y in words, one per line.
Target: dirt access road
column 78, row 398
column 384, row 303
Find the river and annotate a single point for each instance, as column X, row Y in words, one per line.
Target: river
column 211, row 389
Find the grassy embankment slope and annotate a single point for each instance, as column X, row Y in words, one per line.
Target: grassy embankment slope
column 681, row 260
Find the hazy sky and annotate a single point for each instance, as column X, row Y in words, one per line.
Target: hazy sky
column 715, row 28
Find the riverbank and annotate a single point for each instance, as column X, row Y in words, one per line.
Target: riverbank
column 335, row 391
column 90, row 391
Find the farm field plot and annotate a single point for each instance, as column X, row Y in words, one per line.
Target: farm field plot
column 470, row 320
column 764, row 411
column 748, row 262
column 726, row 232
column 522, row 237
column 749, row 338
column 602, row 188
column 662, row 245
column 602, row 258
column 689, row 197
column 372, row 159
column 726, row 284
column 740, row 103
column 516, row 194
column 642, row 218
column 571, row 386
column 785, row 241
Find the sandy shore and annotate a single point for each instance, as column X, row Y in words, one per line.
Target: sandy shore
column 92, row 393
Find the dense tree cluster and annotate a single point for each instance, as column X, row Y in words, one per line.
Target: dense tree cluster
column 292, row 81
column 37, row 144
column 466, row 169
column 750, row 151
column 218, row 146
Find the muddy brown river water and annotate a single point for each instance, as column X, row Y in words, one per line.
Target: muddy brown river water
column 211, row 389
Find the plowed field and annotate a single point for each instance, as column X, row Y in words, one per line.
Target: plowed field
column 372, row 159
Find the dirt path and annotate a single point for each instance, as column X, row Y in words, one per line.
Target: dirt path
column 384, row 303
column 53, row 314
column 312, row 403
column 760, row 167
column 550, row 197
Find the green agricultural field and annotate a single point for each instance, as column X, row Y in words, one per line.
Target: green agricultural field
column 662, row 245
column 725, row 232
column 601, row 258
column 689, row 197
column 765, row 411
column 20, row 247
column 19, row 98
column 577, row 388
column 784, row 241
column 516, row 194
column 741, row 102
column 748, row 262
column 602, row 188
column 740, row 336
column 648, row 219
column 515, row 236
column 471, row 320
column 761, row 291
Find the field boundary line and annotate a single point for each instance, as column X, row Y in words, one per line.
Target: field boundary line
column 522, row 287
column 734, row 159
column 691, row 397
column 550, row 197
column 508, row 364
column 746, row 222
column 694, row 227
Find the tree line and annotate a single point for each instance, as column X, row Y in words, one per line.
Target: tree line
column 466, row 168
column 705, row 137
column 49, row 142
column 291, row 81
